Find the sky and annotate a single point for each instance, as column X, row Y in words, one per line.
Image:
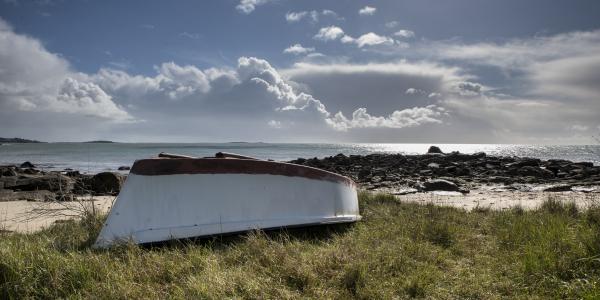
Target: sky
column 420, row 71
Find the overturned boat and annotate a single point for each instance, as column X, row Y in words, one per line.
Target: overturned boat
column 176, row 197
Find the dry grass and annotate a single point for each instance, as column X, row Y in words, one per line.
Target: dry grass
column 399, row 250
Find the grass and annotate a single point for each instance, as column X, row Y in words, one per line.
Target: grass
column 399, row 250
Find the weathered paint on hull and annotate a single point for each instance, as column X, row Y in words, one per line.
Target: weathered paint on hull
column 165, row 207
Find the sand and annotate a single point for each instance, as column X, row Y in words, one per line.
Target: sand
column 500, row 200
column 31, row 216
column 27, row 216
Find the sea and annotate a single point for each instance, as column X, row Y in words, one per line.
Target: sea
column 98, row 157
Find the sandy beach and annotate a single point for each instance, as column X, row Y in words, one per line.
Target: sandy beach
column 30, row 216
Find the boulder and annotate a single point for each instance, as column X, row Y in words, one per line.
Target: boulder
column 433, row 166
column 8, row 182
column 479, row 155
column 364, row 174
column 73, row 174
column 434, row 149
column 535, row 172
column 27, row 164
column 107, row 183
column 559, row 188
column 440, row 185
column 8, row 172
column 525, row 162
column 48, row 182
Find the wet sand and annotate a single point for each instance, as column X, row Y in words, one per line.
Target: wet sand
column 28, row 216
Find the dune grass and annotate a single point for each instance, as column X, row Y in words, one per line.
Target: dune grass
column 399, row 250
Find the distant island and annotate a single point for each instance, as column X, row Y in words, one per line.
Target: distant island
column 17, row 140
column 100, row 142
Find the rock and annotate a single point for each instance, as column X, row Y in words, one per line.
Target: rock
column 425, row 172
column 535, row 172
column 8, row 172
column 8, row 182
column 525, row 162
column 124, row 168
column 440, row 185
column 27, row 165
column 364, row 174
column 8, row 195
column 434, row 149
column 73, row 174
column 559, row 188
column 479, row 155
column 299, row 161
column 433, row 166
column 463, row 172
column 48, row 182
column 582, row 165
column 107, row 183
column 376, row 179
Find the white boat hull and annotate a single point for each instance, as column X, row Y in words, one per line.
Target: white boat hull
column 153, row 208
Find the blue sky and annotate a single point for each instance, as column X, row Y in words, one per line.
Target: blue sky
column 380, row 71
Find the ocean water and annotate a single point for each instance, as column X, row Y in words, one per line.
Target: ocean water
column 97, row 157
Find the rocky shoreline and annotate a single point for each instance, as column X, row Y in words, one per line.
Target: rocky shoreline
column 25, row 182
column 392, row 173
column 459, row 172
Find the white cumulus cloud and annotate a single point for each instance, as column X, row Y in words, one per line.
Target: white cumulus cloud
column 248, row 6
column 33, row 79
column 404, row 33
column 298, row 49
column 410, row 117
column 367, row 11
column 292, row 17
column 329, row 33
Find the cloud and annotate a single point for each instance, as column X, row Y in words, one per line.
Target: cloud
column 193, row 36
column 87, row 99
column 275, row 124
column 410, row 117
column 571, row 78
column 563, row 67
column 328, row 12
column 248, row 6
column 329, row 33
column 469, row 88
column 392, row 24
column 292, row 17
column 312, row 16
column 367, row 11
column 297, row 49
column 437, row 96
column 413, row 91
column 379, row 87
column 33, row 79
column 371, row 39
column 521, row 53
column 404, row 33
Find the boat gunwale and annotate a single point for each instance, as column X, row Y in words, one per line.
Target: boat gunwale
column 190, row 166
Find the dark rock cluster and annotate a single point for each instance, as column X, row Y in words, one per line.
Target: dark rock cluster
column 26, row 182
column 456, row 171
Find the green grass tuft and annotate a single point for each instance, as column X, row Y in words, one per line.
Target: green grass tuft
column 399, row 250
